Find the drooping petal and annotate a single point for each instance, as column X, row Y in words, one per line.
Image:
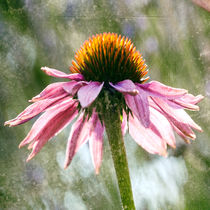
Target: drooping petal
column 182, row 135
column 33, row 110
column 96, row 141
column 187, row 101
column 191, row 99
column 182, row 117
column 76, row 76
column 50, row 118
column 205, row 4
column 147, row 138
column 51, row 91
column 125, row 86
column 185, row 118
column 60, row 74
column 139, row 105
column 163, row 126
column 73, row 86
column 158, row 89
column 49, row 125
column 179, row 104
column 170, row 114
column 78, row 136
column 87, row 94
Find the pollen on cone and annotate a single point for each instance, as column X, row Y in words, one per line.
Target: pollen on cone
column 109, row 57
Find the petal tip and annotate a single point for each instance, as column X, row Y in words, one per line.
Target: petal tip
column 198, row 128
column 35, row 98
column 187, row 141
column 165, row 155
column 30, row 146
column 192, row 136
column 30, row 157
column 97, row 171
column 173, row 146
column 66, row 164
column 44, row 68
column 6, row 123
column 196, row 108
column 10, row 123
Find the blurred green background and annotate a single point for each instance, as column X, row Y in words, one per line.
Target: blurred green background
column 173, row 37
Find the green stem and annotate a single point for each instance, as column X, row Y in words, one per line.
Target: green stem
column 114, row 133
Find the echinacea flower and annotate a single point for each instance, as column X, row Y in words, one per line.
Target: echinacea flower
column 108, row 74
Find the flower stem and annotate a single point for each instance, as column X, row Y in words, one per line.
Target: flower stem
column 114, row 133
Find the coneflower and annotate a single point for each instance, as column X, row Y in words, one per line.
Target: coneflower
column 106, row 90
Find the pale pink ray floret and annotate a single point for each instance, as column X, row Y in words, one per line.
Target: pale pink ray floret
column 157, row 111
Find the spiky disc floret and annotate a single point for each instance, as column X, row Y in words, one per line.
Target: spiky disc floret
column 108, row 57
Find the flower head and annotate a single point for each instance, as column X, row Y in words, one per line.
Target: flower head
column 108, row 74
column 109, row 58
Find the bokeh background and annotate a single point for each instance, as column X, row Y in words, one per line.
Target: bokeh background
column 173, row 37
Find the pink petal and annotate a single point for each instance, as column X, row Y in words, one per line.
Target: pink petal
column 56, row 122
column 178, row 104
column 185, row 118
column 15, row 122
column 147, row 138
column 33, row 110
column 139, row 105
column 205, row 4
column 124, row 125
column 191, row 99
column 87, row 94
column 163, row 126
column 60, row 74
column 76, row 76
column 187, row 101
column 96, row 141
column 158, row 89
column 73, row 86
column 125, row 86
column 182, row 135
column 51, row 91
column 49, row 119
column 171, row 115
column 78, row 136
